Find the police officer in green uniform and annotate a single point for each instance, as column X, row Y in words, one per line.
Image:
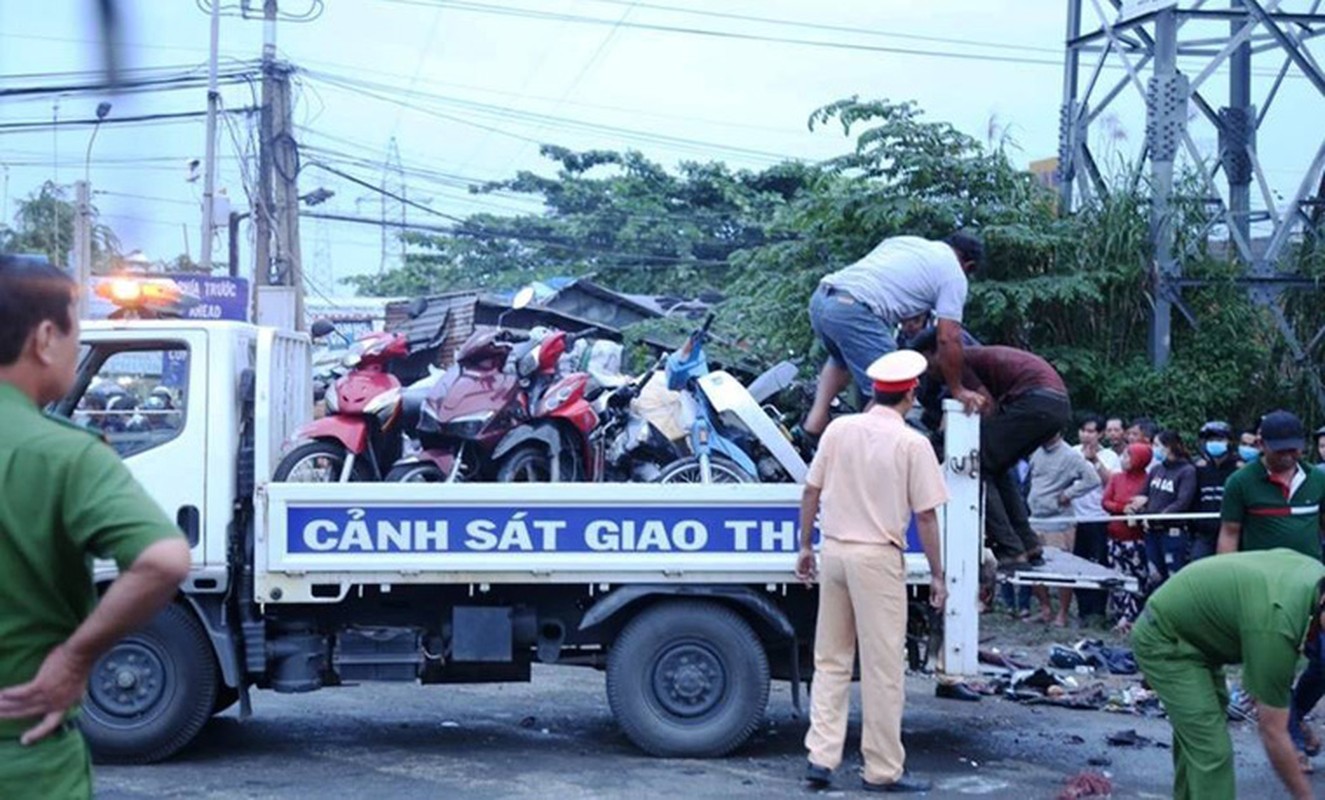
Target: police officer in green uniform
column 1254, row 608
column 65, row 498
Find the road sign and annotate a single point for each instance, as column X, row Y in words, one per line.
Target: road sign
column 218, row 297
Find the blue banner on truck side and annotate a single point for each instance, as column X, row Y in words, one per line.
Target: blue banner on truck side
column 545, row 529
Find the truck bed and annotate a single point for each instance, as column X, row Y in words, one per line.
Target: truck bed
column 340, row 535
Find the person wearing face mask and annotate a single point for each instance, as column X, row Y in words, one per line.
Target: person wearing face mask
column 1171, row 490
column 1127, row 548
column 1212, row 471
column 1249, row 446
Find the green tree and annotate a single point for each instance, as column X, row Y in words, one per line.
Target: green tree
column 44, row 224
column 623, row 218
column 1075, row 288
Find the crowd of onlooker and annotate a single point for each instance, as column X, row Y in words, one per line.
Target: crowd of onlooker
column 1083, row 499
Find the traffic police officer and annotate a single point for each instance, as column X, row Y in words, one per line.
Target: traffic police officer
column 64, row 498
column 1254, row 608
column 870, row 474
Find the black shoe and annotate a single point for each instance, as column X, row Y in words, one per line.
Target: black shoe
column 956, row 691
column 818, row 777
column 904, row 784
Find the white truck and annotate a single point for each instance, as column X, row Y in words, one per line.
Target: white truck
column 684, row 595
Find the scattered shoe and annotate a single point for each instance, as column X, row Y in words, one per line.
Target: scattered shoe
column 903, row 785
column 818, row 777
column 956, row 691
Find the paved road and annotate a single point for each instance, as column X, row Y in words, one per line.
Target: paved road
column 555, row 738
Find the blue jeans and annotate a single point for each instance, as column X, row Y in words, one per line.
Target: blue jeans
column 854, row 336
column 1308, row 691
column 1016, row 598
column 1167, row 552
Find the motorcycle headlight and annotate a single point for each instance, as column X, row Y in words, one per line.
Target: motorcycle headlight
column 468, row 426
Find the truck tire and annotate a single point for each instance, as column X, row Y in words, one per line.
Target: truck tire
column 150, row 695
column 332, row 456
column 688, row 470
column 688, row 679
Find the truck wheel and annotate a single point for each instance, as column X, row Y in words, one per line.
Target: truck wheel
column 688, row 470
column 319, row 461
column 688, row 679
column 151, row 694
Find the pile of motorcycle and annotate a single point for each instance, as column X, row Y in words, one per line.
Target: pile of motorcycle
column 544, row 406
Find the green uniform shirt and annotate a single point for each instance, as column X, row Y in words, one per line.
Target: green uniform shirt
column 1247, row 608
column 65, row 497
column 1269, row 518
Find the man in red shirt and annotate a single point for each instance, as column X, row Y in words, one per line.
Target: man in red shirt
column 1028, row 405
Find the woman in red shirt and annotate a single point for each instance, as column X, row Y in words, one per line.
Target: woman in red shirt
column 1127, row 546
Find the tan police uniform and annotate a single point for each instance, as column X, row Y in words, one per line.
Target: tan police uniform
column 873, row 471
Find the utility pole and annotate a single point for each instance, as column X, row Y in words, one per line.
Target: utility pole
column 83, row 243
column 279, row 290
column 262, row 203
column 209, row 158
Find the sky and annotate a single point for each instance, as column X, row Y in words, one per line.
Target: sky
column 467, row 88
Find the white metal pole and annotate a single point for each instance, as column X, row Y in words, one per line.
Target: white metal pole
column 962, row 539
column 209, row 168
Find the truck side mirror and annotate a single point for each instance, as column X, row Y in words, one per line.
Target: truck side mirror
column 321, row 328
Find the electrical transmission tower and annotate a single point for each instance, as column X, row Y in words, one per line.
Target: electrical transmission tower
column 1189, row 63
column 393, row 183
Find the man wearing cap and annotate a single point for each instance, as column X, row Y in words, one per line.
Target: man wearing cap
column 1218, row 463
column 1275, row 500
column 869, row 475
column 855, row 312
column 1254, row 609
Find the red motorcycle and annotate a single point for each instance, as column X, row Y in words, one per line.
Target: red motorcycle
column 360, row 435
column 554, row 444
column 497, row 378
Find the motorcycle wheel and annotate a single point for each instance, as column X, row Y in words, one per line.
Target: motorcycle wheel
column 526, row 465
column 319, row 462
column 687, row 470
column 416, row 473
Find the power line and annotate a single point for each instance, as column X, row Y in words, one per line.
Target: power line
column 521, row 236
column 385, row 192
column 505, row 113
column 834, row 28
column 142, row 118
column 177, row 81
column 482, row 8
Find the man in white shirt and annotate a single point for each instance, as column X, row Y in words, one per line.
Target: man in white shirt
column 855, row 313
column 1092, row 541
